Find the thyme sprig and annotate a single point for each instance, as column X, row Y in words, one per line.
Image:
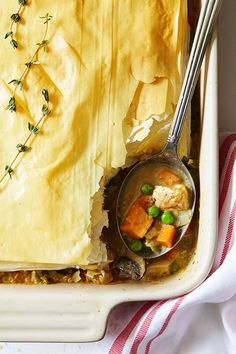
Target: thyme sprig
column 15, row 18
column 33, row 130
column 18, row 83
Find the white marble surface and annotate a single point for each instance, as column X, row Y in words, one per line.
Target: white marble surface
column 227, row 122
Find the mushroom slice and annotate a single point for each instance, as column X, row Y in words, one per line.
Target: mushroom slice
column 129, row 269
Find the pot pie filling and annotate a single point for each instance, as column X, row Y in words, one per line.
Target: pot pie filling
column 113, row 71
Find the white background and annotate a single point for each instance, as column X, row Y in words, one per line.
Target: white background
column 227, row 122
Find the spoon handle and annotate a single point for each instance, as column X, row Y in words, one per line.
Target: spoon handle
column 204, row 31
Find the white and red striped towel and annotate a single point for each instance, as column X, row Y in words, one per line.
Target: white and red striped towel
column 201, row 322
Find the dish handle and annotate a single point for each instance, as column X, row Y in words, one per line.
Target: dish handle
column 53, row 313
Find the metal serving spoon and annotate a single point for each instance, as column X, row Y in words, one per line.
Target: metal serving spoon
column 168, row 156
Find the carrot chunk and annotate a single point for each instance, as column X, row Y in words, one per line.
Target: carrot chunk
column 137, row 222
column 168, row 177
column 166, row 235
column 145, row 201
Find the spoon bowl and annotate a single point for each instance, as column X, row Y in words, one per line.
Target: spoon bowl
column 167, row 158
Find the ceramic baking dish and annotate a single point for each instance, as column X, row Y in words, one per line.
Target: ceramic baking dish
column 78, row 312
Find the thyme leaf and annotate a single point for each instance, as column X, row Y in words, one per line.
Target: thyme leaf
column 47, row 18
column 43, row 44
column 45, row 110
column 22, row 148
column 32, row 128
column 8, row 34
column 15, row 17
column 22, row 2
column 14, row 43
column 17, row 83
column 30, row 63
column 14, row 81
column 9, row 170
column 45, row 95
column 11, row 105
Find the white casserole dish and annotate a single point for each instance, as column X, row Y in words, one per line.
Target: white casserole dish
column 73, row 313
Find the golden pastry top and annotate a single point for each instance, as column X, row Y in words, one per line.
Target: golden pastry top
column 109, row 67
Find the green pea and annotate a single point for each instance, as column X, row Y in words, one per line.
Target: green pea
column 147, row 188
column 153, row 211
column 167, row 217
column 174, row 267
column 136, row 245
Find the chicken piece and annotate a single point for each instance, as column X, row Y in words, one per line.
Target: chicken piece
column 171, row 198
column 181, row 197
column 163, row 197
column 168, row 178
column 145, row 201
column 137, row 222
